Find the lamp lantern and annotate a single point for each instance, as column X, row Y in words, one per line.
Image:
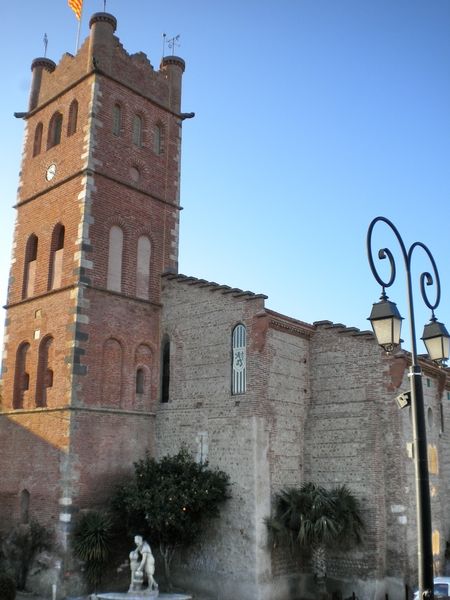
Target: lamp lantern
column 386, row 323
column 437, row 341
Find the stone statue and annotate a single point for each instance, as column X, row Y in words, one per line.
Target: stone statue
column 142, row 565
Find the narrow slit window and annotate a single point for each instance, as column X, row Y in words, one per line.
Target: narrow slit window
column 158, row 139
column 21, row 376
column 37, row 144
column 54, row 130
column 29, row 272
column 114, row 279
column 165, row 371
column 140, row 381
column 117, row 119
column 137, row 131
column 73, row 117
column 56, row 257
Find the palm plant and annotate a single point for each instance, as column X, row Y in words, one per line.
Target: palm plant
column 314, row 518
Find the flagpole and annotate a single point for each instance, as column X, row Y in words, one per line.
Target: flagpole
column 79, row 28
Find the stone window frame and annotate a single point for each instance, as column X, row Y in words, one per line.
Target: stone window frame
column 239, row 360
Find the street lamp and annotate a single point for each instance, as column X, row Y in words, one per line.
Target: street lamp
column 386, row 323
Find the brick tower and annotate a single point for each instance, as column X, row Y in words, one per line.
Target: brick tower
column 97, row 224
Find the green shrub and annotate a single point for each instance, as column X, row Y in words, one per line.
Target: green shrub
column 7, row 587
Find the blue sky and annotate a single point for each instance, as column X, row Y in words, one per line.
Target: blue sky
column 312, row 117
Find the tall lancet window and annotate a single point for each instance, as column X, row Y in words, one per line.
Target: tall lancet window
column 29, row 272
column 114, row 280
column 54, row 130
column 37, row 144
column 137, row 130
column 21, row 376
column 56, row 257
column 239, row 360
column 73, row 117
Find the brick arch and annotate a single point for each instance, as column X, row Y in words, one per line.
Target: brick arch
column 44, row 379
column 112, row 366
column 21, row 375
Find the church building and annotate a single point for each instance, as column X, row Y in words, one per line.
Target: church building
column 110, row 352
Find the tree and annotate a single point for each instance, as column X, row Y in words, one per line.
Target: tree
column 316, row 519
column 169, row 500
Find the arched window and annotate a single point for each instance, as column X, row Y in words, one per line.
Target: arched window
column 37, row 144
column 56, row 257
column 158, row 139
column 73, row 117
column 54, row 130
column 143, row 267
column 45, row 371
column 114, row 281
column 137, row 130
column 140, row 381
column 239, row 360
column 29, row 271
column 21, row 376
column 117, row 119
column 165, row 369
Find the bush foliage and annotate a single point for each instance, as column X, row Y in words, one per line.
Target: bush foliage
column 7, row 587
column 170, row 499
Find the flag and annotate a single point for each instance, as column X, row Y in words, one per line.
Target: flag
column 76, row 6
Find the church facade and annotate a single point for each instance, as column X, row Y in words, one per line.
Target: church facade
column 110, row 352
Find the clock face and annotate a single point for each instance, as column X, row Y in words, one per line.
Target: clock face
column 51, row 172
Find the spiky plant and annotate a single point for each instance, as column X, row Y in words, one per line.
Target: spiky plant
column 315, row 518
column 91, row 544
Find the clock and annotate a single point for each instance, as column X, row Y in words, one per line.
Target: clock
column 50, row 172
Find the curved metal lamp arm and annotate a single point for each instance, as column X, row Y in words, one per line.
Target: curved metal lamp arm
column 426, row 278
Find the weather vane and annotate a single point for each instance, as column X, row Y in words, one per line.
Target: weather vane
column 45, row 45
column 171, row 43
column 104, row 5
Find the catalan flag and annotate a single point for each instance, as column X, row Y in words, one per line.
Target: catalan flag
column 76, row 6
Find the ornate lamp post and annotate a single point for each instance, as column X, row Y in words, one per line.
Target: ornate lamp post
column 386, row 323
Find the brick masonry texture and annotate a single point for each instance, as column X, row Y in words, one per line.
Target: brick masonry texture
column 319, row 403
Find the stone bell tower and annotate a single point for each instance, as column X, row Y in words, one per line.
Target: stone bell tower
column 97, row 224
